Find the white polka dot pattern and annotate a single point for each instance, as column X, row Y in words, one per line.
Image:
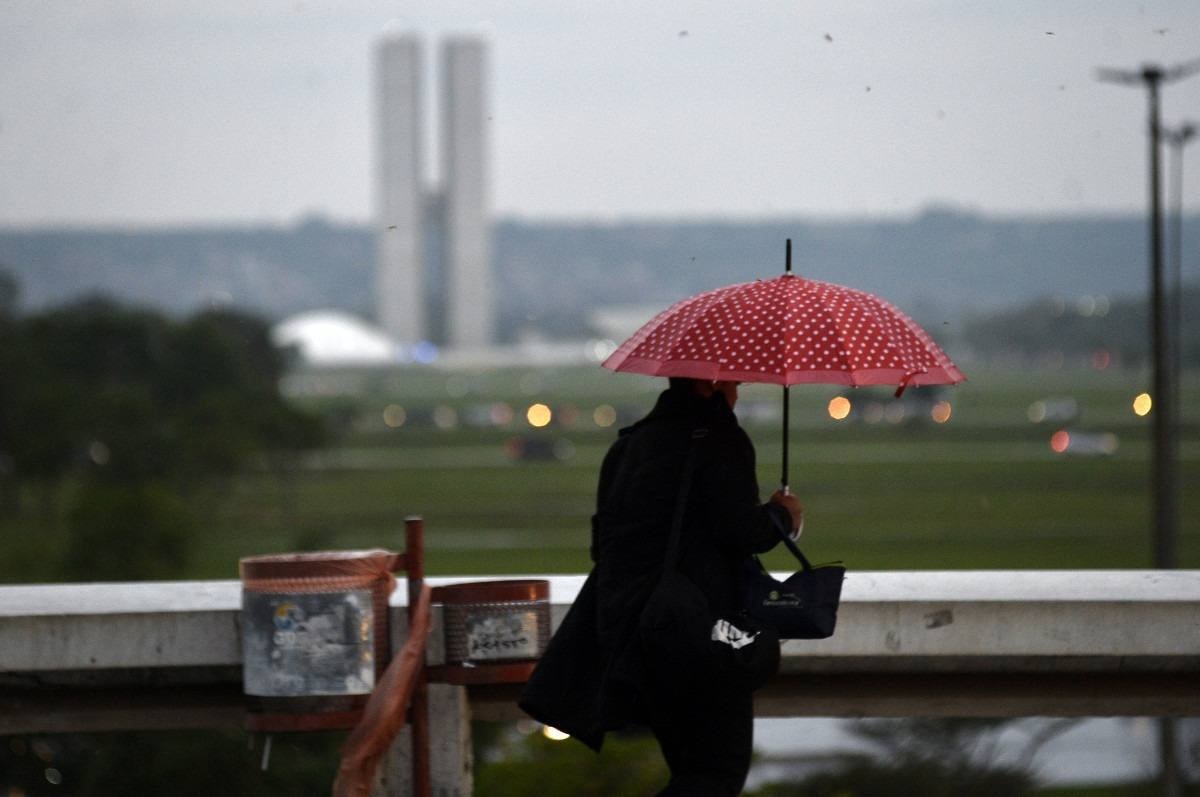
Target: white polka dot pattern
column 786, row 331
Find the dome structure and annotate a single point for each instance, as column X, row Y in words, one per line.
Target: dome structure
column 328, row 337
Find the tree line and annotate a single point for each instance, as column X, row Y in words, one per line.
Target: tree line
column 119, row 415
column 1116, row 331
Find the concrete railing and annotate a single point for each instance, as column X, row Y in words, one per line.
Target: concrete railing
column 81, row 657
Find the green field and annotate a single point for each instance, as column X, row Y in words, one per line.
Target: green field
column 983, row 490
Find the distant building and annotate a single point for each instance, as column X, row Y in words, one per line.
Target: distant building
column 464, row 178
column 399, row 199
column 434, row 247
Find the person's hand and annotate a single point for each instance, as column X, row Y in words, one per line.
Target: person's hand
column 792, row 505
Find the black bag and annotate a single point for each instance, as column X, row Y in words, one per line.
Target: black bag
column 684, row 640
column 803, row 606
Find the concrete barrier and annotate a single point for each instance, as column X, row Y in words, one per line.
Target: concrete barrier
column 85, row 657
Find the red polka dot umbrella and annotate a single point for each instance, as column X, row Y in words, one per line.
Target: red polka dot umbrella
column 787, row 331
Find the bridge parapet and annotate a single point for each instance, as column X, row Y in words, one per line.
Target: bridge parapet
column 88, row 657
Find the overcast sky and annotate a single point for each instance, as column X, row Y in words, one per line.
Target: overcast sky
column 172, row 112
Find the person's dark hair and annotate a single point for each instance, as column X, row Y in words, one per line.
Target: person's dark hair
column 681, row 382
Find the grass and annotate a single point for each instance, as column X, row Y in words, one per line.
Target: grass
column 982, row 491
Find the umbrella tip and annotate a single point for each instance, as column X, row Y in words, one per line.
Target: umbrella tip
column 788, row 261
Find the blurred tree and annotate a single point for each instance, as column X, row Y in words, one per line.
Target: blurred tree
column 9, row 495
column 127, row 531
column 137, row 407
column 9, row 293
column 221, row 383
column 1082, row 329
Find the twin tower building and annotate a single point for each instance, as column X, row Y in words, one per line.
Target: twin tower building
column 433, row 259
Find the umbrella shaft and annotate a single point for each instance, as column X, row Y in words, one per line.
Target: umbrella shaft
column 786, row 405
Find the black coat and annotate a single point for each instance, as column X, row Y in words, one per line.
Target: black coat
column 591, row 675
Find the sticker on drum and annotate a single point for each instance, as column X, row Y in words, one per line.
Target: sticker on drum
column 308, row 644
column 501, row 635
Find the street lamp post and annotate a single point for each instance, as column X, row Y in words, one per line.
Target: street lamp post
column 1177, row 138
column 1164, row 472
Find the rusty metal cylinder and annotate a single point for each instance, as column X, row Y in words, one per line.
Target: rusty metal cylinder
column 495, row 622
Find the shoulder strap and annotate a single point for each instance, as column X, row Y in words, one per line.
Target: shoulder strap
column 689, row 466
column 795, row 549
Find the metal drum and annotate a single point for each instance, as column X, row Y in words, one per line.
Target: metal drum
column 495, row 631
column 314, row 636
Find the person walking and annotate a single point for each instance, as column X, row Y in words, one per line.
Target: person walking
column 594, row 676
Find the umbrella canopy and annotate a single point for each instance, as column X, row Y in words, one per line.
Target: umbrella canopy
column 786, row 331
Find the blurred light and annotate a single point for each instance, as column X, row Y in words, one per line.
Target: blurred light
column 1142, row 404
column 53, row 776
column 1086, row 305
column 99, row 453
column 1101, row 359
column 599, row 350
column 43, row 750
column 220, row 299
column 538, row 415
column 564, row 449
column 501, row 414
column 873, row 412
column 568, row 416
column 1087, row 444
column 1102, row 305
column 445, row 417
column 839, row 408
column 895, row 412
column 425, row 352
column 941, row 412
column 554, row 734
column 526, row 726
column 394, row 416
column 1061, row 409
column 604, row 416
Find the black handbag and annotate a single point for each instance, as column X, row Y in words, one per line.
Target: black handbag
column 802, row 606
column 684, row 641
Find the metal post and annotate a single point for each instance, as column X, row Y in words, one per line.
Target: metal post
column 414, row 551
column 1164, row 471
column 1163, row 474
column 1177, row 139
